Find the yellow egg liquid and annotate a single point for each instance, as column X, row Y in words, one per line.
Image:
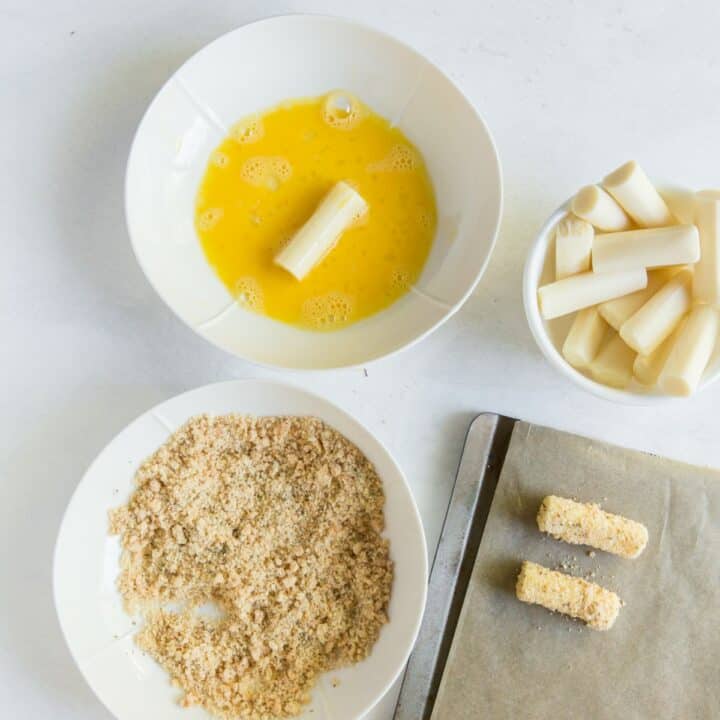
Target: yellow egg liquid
column 266, row 179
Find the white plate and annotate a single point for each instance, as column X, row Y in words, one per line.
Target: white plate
column 99, row 633
column 253, row 68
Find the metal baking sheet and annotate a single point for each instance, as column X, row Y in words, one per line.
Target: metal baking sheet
column 480, row 464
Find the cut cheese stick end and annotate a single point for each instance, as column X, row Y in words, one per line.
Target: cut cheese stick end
column 616, row 312
column 613, row 365
column 595, row 206
column 580, row 291
column 690, row 352
column 338, row 211
column 647, row 368
column 706, row 283
column 573, row 243
column 583, row 341
column 659, row 316
column 587, row 524
column 634, row 192
column 681, row 204
column 654, row 247
column 594, row 605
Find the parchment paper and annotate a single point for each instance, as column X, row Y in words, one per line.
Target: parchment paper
column 661, row 660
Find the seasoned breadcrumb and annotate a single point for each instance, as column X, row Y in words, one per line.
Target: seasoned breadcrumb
column 587, row 524
column 275, row 521
column 573, row 596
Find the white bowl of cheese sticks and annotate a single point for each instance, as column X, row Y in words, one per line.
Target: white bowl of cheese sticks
column 622, row 289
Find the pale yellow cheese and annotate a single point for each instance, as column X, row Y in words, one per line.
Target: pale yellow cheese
column 616, row 312
column 573, row 243
column 690, row 352
column 599, row 209
column 580, row 291
column 659, row 316
column 706, row 281
column 654, row 247
column 584, row 338
column 613, row 364
column 634, row 192
column 647, row 368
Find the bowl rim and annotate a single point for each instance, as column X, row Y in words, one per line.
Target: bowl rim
column 531, row 274
column 315, row 397
column 388, row 37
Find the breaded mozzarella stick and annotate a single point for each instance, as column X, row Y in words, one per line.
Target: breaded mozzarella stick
column 587, row 524
column 573, row 596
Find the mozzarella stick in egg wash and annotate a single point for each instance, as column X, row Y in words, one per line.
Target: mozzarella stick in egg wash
column 587, row 524
column 596, row 606
column 337, row 212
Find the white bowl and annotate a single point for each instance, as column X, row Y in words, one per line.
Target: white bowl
column 550, row 334
column 253, row 68
column 99, row 633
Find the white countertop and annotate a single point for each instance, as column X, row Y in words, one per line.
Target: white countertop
column 569, row 89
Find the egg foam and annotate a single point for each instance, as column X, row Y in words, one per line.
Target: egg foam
column 266, row 179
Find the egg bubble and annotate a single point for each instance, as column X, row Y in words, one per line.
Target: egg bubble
column 342, row 110
column 219, row 159
column 248, row 130
column 426, row 219
column 401, row 158
column 209, row 218
column 248, row 294
column 325, row 312
column 400, row 279
column 268, row 171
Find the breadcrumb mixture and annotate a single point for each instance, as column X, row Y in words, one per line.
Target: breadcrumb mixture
column 277, row 522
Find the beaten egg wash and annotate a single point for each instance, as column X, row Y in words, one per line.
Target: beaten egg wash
column 268, row 177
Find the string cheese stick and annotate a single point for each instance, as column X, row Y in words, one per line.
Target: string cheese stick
column 632, row 188
column 691, row 352
column 599, row 209
column 581, row 291
column 583, row 340
column 647, row 368
column 613, row 364
column 616, row 312
column 706, row 281
column 340, row 208
column 659, row 316
column 573, row 243
column 587, row 524
column 655, row 247
column 681, row 204
column 573, row 596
